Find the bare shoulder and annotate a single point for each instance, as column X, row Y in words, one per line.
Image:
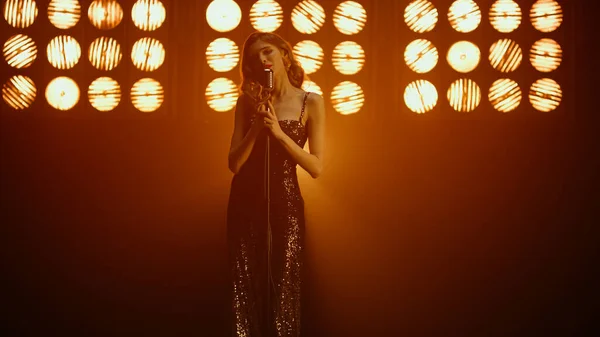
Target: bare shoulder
column 315, row 104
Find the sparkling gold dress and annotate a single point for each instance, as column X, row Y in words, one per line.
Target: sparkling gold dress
column 266, row 258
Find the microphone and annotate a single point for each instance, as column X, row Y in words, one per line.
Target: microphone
column 268, row 77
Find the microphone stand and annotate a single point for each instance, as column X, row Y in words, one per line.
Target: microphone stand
column 269, row 88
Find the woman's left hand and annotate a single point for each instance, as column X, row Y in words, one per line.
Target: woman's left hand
column 270, row 120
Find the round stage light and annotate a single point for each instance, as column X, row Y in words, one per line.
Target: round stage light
column 505, row 15
column 421, row 56
column 308, row 17
column 464, row 95
column 266, row 15
column 463, row 56
column 105, row 53
column 19, row 92
column 420, row 96
column 309, row 54
column 63, row 52
column 505, row 95
column 420, row 16
column 545, row 94
column 349, row 17
column 545, row 55
column 464, row 16
column 221, row 94
column 64, row 14
column 505, row 55
column 347, row 98
column 148, row 15
column 222, row 54
column 310, row 86
column 223, row 15
column 105, row 14
column 147, row 95
column 147, row 54
column 19, row 51
column 348, row 57
column 62, row 93
column 546, row 15
column 104, row 94
column 20, row 13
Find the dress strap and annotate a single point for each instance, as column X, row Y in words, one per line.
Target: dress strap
column 303, row 106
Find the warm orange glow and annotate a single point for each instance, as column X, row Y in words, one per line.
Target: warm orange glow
column 104, row 94
column 421, row 56
column 266, row 15
column 505, row 15
column 348, row 58
column 105, row 14
column 222, row 54
column 546, row 15
column 105, row 53
column 505, row 95
column 545, row 94
column 64, row 14
column 347, row 98
column 349, row 17
column 309, row 54
column 421, row 16
column 221, row 94
column 545, row 55
column 20, row 13
column 19, row 51
column 147, row 95
column 308, row 17
column 464, row 95
column 148, row 15
column 464, row 15
column 63, row 52
column 420, row 96
column 223, row 15
column 62, row 93
column 311, row 86
column 505, row 55
column 147, row 54
column 463, row 56
column 19, row 92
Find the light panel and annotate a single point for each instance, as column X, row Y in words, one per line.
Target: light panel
column 546, row 15
column 147, row 54
column 19, row 51
column 19, row 92
column 309, row 54
column 148, row 15
column 349, row 17
column 505, row 15
column 147, row 94
column 464, row 16
column 348, row 57
column 221, row 94
column 223, row 15
column 308, row 16
column 464, row 95
column 20, row 13
column 545, row 55
column 63, row 52
column 420, row 96
column 463, row 56
column 421, row 56
column 545, row 94
column 347, row 98
column 420, row 16
column 505, row 55
column 266, row 15
column 104, row 94
column 505, row 95
column 62, row 93
column 64, row 14
column 222, row 54
column 105, row 53
column 105, row 14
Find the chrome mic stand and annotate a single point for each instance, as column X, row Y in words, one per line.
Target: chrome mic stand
column 269, row 87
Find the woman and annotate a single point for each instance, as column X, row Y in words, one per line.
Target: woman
column 266, row 238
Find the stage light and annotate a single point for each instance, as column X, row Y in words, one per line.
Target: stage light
column 420, row 96
column 347, row 98
column 104, row 94
column 104, row 53
column 310, row 86
column 421, row 16
column 308, row 17
column 64, row 14
column 63, row 52
column 464, row 16
column 62, row 93
column 505, row 95
column 546, row 15
column 147, row 54
column 19, row 92
column 421, row 56
column 349, row 17
column 505, row 16
column 309, row 54
column 505, row 55
column 148, row 15
column 147, row 95
column 266, row 15
column 222, row 54
column 105, row 14
column 545, row 94
column 19, row 51
column 464, row 95
column 221, row 94
column 348, row 58
column 463, row 56
column 20, row 13
column 223, row 15
column 545, row 55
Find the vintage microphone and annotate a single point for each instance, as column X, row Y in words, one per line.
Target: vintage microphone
column 268, row 76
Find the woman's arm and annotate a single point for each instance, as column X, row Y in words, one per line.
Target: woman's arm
column 241, row 145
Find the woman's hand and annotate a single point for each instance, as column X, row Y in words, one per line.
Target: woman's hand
column 270, row 120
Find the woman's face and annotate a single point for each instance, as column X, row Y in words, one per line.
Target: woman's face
column 264, row 54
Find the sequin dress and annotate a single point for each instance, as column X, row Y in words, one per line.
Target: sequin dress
column 266, row 273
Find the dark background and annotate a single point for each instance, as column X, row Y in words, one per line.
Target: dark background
column 441, row 224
